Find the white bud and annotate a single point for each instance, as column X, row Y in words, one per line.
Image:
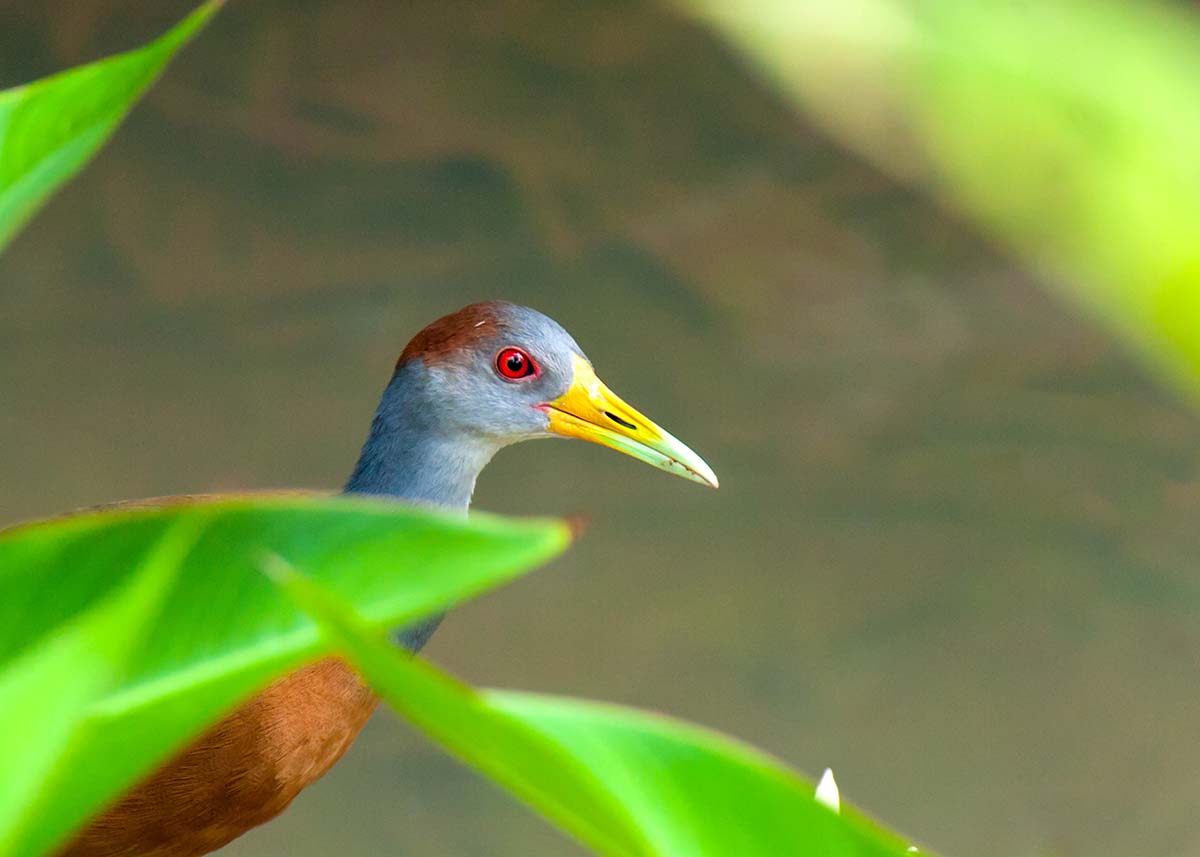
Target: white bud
column 827, row 791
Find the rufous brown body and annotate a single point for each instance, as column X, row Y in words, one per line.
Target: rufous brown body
column 242, row 772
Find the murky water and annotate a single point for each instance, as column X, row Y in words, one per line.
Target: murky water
column 955, row 550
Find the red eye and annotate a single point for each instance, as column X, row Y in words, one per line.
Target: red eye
column 513, row 364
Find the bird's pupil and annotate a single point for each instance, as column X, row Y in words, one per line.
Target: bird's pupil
column 515, row 362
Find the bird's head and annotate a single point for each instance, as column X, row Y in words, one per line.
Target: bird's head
column 495, row 373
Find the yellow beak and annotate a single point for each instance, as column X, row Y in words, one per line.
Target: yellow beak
column 591, row 411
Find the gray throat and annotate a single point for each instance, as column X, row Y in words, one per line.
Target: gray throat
column 406, row 458
column 411, row 465
column 413, row 455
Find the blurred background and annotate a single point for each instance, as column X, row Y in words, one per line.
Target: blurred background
column 952, row 552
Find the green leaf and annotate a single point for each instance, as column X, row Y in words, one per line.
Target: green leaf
column 621, row 781
column 49, row 129
column 1067, row 129
column 692, row 791
column 76, row 664
column 222, row 630
column 460, row 719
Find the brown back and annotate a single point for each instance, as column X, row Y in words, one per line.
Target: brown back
column 243, row 771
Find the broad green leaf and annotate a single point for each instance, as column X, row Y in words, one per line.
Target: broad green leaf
column 83, row 658
column 460, row 719
column 623, row 782
column 1067, row 129
column 692, row 791
column 50, row 128
column 223, row 630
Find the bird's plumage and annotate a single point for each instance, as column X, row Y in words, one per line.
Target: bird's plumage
column 241, row 773
column 245, row 770
column 445, row 413
column 448, row 408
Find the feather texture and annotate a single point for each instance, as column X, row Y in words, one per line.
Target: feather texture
column 241, row 773
column 245, row 770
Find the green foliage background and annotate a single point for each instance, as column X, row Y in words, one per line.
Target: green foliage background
column 1063, row 128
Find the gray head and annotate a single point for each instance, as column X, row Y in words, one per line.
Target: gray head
column 484, row 370
column 487, row 376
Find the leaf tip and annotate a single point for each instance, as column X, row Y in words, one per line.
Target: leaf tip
column 577, row 526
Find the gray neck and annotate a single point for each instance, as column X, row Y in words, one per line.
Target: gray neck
column 409, row 456
column 406, row 457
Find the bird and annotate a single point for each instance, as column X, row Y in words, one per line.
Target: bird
column 467, row 385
